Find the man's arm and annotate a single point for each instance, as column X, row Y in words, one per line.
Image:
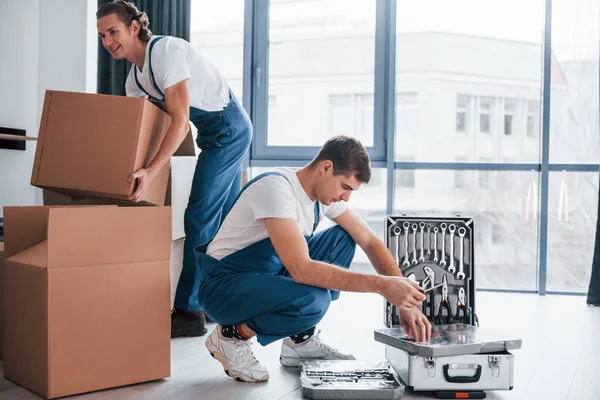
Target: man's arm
column 412, row 319
column 291, row 247
column 374, row 248
column 178, row 106
column 177, row 100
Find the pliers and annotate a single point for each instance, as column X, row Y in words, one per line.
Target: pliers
column 441, row 319
column 462, row 312
column 429, row 280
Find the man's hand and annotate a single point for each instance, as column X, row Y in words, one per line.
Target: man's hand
column 144, row 176
column 402, row 292
column 415, row 323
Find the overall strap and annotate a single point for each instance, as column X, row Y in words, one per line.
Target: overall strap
column 317, row 217
column 151, row 74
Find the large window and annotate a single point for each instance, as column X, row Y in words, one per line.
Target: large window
column 321, row 59
column 574, row 107
column 469, row 126
column 464, row 59
column 217, row 29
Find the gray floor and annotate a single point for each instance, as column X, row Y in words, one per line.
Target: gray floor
column 560, row 358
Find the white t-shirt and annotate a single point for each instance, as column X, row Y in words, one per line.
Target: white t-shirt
column 173, row 60
column 269, row 197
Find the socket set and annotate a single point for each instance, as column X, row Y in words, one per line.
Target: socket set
column 438, row 254
column 349, row 379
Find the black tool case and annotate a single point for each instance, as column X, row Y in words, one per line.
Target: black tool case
column 442, row 248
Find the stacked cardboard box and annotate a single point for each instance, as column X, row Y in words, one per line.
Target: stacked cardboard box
column 89, row 275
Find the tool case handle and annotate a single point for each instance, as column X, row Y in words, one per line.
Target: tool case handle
column 461, row 379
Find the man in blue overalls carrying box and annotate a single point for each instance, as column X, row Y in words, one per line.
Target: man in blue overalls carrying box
column 267, row 274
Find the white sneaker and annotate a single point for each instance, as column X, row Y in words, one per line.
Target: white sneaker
column 312, row 349
column 236, row 357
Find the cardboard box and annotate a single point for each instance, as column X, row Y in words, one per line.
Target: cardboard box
column 178, row 193
column 176, row 266
column 89, row 145
column 86, row 297
column 1, row 298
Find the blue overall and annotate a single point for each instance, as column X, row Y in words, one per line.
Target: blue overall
column 252, row 285
column 224, row 138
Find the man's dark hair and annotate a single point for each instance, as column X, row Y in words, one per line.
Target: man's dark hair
column 348, row 156
column 127, row 13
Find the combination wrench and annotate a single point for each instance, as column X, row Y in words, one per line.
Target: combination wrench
column 397, row 232
column 428, row 239
column 414, row 244
column 406, row 227
column 435, row 235
column 461, row 264
column 452, row 230
column 443, row 250
column 422, row 232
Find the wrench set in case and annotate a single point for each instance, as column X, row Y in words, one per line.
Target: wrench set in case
column 437, row 253
column 461, row 360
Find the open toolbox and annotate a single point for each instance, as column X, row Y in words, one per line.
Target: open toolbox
column 438, row 254
column 461, row 360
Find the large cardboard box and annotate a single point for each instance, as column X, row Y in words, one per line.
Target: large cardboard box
column 89, row 145
column 86, row 297
column 1, row 297
column 178, row 193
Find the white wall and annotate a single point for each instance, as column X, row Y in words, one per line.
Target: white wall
column 45, row 46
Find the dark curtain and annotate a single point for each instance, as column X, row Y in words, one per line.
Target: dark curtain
column 167, row 17
column 593, row 297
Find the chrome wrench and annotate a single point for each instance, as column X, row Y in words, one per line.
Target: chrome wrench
column 414, row 244
column 428, row 239
column 406, row 226
column 443, row 253
column 435, row 235
column 452, row 230
column 461, row 264
column 397, row 232
column 422, row 231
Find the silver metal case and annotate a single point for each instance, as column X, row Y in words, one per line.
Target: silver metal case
column 459, row 357
column 469, row 372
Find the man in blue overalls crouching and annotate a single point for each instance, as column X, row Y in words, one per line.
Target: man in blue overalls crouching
column 267, row 274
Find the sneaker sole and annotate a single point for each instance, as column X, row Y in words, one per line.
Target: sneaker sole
column 290, row 362
column 217, row 355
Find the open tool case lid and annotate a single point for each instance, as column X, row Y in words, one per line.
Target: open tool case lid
column 449, row 340
column 433, row 250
